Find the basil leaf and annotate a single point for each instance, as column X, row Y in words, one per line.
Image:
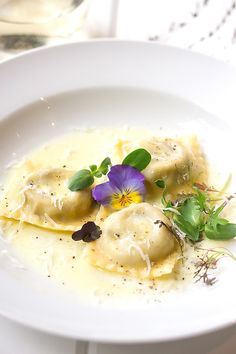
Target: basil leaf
column 223, row 230
column 80, row 180
column 138, row 159
column 103, row 168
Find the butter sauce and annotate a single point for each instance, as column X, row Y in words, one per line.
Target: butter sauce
column 53, row 253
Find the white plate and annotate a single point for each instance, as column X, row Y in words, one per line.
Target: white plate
column 113, row 83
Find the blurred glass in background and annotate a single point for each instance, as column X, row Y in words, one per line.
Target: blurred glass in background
column 26, row 24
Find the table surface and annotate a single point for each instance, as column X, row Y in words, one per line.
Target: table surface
column 205, row 26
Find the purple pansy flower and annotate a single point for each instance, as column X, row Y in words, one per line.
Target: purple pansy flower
column 125, row 186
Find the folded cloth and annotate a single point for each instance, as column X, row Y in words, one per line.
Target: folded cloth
column 207, row 26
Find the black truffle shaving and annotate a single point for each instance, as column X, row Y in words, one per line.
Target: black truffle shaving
column 88, row 233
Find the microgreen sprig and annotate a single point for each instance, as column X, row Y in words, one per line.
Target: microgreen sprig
column 160, row 183
column 194, row 215
column 209, row 261
column 190, row 219
column 102, row 169
column 81, row 180
column 85, row 178
column 218, row 228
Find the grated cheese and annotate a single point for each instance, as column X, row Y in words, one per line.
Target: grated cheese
column 144, row 257
column 50, row 220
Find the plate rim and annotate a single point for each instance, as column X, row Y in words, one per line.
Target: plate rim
column 145, row 338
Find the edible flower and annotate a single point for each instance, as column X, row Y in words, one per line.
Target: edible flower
column 125, row 187
column 82, row 179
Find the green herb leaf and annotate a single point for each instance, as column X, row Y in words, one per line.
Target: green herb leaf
column 97, row 174
column 85, row 178
column 190, row 220
column 160, row 183
column 218, row 228
column 93, row 168
column 103, row 168
column 223, row 230
column 194, row 215
column 191, row 231
column 138, row 159
column 80, row 180
column 201, row 197
column 191, row 211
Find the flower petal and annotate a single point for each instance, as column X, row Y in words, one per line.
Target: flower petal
column 135, row 185
column 119, row 201
column 123, row 177
column 125, row 186
column 102, row 193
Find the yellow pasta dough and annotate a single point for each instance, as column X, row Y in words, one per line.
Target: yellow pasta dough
column 43, row 199
column 136, row 240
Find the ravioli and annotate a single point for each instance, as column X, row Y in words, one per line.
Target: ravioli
column 137, row 241
column 43, row 199
column 177, row 161
column 170, row 161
